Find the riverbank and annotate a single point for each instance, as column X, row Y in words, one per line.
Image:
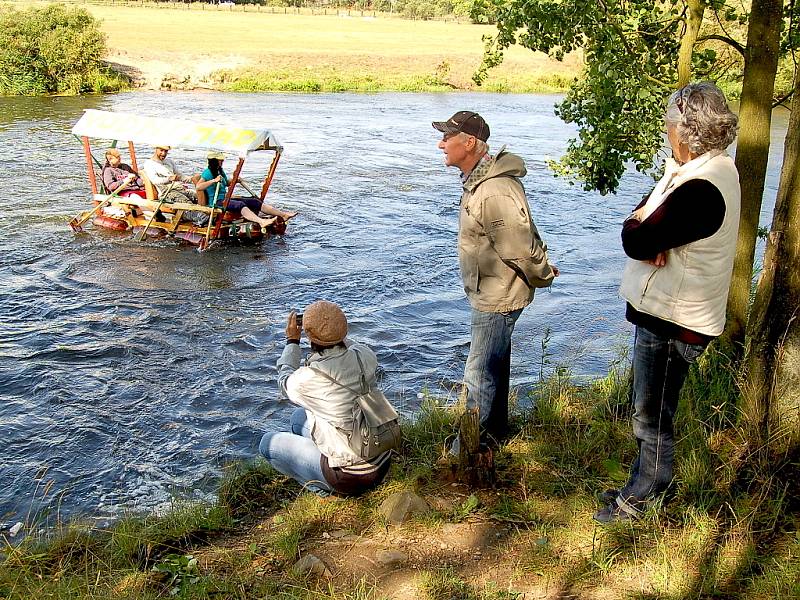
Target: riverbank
column 178, row 48
column 730, row 531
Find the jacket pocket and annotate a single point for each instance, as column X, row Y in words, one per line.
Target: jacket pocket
column 470, row 272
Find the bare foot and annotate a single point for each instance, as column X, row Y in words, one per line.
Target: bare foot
column 267, row 222
column 289, row 215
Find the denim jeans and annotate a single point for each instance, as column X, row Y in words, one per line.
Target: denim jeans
column 296, row 455
column 488, row 369
column 660, row 366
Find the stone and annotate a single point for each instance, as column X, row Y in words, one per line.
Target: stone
column 390, row 558
column 310, row 565
column 400, row 507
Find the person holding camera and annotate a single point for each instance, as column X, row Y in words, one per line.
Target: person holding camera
column 330, row 448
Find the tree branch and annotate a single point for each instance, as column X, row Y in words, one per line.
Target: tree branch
column 782, row 99
column 721, row 38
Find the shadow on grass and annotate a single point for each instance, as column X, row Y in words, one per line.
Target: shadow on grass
column 728, row 530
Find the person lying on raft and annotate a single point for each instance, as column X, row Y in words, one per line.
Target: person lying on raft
column 214, row 182
column 115, row 173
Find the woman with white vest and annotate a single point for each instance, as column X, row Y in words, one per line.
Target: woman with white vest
column 680, row 242
column 321, row 453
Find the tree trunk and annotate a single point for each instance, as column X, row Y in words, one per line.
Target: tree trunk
column 752, row 151
column 688, row 40
column 771, row 402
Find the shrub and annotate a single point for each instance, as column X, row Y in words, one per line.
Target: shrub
column 52, row 49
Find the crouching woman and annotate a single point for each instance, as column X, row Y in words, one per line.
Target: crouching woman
column 331, row 447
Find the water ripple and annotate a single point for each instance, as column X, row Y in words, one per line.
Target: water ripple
column 133, row 372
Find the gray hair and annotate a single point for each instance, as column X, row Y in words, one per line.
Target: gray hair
column 481, row 147
column 702, row 117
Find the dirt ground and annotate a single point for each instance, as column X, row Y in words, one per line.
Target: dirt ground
column 481, row 552
column 177, row 72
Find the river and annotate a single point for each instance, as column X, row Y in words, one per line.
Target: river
column 131, row 373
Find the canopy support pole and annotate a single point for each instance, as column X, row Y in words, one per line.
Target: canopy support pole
column 89, row 164
column 270, row 175
column 132, row 152
column 231, row 185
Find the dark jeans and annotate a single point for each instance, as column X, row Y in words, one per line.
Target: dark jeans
column 489, row 368
column 660, row 366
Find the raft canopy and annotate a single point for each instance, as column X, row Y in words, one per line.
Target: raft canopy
column 126, row 127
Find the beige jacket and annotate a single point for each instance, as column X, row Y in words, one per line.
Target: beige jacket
column 691, row 290
column 502, row 258
column 329, row 407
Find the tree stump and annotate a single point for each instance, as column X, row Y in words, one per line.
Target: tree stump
column 475, row 460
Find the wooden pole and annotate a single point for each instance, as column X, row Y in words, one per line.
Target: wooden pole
column 475, row 461
column 87, row 151
column 270, row 175
column 132, row 152
column 228, row 195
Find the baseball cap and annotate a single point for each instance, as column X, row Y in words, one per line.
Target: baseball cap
column 464, row 121
column 163, row 147
column 217, row 155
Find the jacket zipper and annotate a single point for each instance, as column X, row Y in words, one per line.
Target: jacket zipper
column 647, row 285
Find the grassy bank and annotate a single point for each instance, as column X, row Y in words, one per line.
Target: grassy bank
column 730, row 529
column 262, row 51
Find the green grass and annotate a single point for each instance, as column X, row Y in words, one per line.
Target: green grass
column 729, row 530
column 260, row 51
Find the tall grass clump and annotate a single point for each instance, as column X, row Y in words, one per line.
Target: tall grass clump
column 54, row 49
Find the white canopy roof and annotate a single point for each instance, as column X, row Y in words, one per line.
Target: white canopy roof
column 173, row 132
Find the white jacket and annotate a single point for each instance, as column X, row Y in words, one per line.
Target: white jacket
column 691, row 290
column 327, row 405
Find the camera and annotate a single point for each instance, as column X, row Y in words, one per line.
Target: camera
column 299, row 319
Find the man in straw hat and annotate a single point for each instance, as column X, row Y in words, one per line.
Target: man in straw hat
column 317, row 453
column 502, row 258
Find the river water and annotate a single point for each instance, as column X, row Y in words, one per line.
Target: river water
column 131, row 373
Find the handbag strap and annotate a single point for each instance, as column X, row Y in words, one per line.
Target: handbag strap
column 363, row 380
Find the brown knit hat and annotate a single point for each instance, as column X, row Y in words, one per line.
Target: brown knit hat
column 324, row 323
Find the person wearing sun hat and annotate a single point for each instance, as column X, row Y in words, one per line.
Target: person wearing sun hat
column 214, row 182
column 316, row 452
column 502, row 261
column 162, row 172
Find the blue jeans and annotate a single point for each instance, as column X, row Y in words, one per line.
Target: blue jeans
column 296, row 455
column 660, row 366
column 489, row 369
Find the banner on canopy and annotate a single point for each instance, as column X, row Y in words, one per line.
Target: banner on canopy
column 172, row 132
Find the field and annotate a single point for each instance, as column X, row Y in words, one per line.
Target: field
column 254, row 51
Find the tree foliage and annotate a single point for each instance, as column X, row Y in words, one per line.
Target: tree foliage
column 631, row 54
column 50, row 49
column 629, row 49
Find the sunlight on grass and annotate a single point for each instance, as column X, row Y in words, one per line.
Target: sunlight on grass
column 728, row 530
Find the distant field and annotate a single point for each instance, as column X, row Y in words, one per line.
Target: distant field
column 252, row 50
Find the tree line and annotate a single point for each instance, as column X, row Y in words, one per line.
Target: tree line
column 411, row 9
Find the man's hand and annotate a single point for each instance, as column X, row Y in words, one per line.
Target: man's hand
column 173, row 177
column 293, row 331
column 659, row 261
